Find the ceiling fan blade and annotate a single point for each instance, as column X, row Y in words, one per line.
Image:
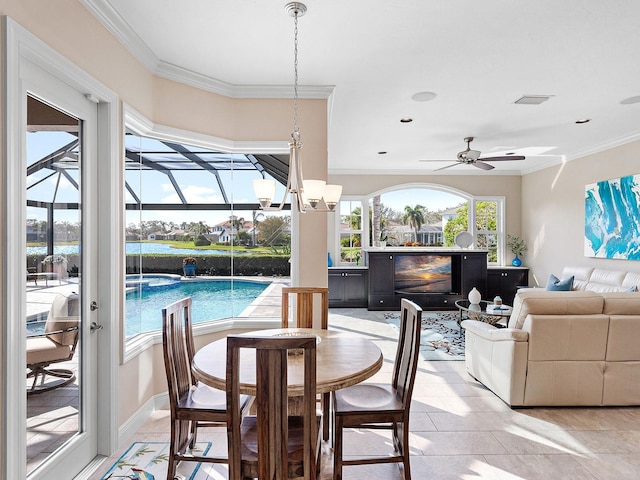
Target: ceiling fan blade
column 482, row 165
column 448, row 166
column 502, row 159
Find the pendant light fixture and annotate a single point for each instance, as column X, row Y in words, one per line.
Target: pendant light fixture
column 306, row 194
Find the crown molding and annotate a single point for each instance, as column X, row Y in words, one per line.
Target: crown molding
column 120, row 29
column 204, row 82
column 114, row 23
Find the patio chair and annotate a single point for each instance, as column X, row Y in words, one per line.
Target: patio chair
column 303, row 314
column 57, row 344
column 273, row 445
column 382, row 406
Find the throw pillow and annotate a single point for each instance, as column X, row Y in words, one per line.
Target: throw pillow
column 632, row 289
column 556, row 285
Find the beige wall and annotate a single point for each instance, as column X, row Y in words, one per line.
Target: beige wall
column 68, row 28
column 553, row 211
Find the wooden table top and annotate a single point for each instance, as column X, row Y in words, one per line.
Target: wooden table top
column 342, row 360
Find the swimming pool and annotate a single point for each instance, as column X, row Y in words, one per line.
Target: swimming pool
column 212, row 299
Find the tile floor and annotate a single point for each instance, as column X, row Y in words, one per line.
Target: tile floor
column 460, row 430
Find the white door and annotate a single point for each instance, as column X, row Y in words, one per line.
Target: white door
column 61, row 250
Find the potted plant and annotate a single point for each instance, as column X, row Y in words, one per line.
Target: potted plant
column 189, row 267
column 517, row 247
column 56, row 264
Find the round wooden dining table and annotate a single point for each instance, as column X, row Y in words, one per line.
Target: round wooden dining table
column 342, row 360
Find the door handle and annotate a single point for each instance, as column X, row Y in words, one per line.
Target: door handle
column 96, row 326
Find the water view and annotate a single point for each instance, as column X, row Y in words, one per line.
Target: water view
column 139, row 248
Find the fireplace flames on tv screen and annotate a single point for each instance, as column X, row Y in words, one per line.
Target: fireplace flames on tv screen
column 422, row 274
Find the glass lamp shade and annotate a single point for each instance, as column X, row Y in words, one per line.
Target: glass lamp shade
column 314, row 190
column 265, row 190
column 332, row 195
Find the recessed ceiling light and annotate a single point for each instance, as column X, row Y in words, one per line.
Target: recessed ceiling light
column 630, row 100
column 510, row 153
column 382, row 153
column 532, row 99
column 583, row 120
column 406, row 120
column 423, row 96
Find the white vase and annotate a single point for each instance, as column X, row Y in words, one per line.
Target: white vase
column 474, row 296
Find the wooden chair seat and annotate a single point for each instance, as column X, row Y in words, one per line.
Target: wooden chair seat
column 382, row 406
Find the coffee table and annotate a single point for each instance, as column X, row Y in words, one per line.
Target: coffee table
column 479, row 312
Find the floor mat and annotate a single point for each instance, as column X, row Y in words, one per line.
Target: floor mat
column 441, row 338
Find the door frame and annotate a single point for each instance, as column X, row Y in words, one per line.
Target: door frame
column 21, row 46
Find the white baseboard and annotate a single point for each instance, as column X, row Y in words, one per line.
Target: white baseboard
column 133, row 424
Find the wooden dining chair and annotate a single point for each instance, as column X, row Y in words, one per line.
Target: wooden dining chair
column 303, row 308
column 303, row 313
column 192, row 403
column 273, row 445
column 385, row 406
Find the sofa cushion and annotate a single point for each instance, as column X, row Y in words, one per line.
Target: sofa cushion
column 556, row 285
column 631, row 280
column 541, row 302
column 580, row 276
column 621, row 303
column 606, row 280
column 622, row 341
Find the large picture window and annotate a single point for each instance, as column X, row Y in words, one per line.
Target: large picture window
column 193, row 228
column 428, row 216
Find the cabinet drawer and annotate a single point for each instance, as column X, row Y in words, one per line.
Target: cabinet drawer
column 383, row 302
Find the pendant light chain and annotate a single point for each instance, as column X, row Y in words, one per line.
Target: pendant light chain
column 296, row 133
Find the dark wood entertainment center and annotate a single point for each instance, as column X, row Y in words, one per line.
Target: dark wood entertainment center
column 374, row 287
column 468, row 269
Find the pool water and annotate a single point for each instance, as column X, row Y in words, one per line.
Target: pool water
column 211, row 300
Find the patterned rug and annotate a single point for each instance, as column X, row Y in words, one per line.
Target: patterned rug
column 441, row 338
column 149, row 461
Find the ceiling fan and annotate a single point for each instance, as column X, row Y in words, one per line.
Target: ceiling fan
column 471, row 157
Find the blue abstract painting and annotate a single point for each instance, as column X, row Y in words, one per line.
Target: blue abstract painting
column 612, row 218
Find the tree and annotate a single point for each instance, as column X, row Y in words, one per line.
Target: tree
column 274, row 231
column 456, row 225
column 414, row 217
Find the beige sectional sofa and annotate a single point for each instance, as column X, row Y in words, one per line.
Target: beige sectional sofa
column 561, row 348
column 601, row 280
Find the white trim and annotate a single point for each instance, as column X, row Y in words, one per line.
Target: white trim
column 114, row 23
column 141, row 125
column 137, row 420
column 22, row 46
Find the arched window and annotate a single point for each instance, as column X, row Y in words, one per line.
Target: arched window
column 424, row 215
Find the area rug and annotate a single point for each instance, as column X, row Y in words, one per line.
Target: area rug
column 149, row 461
column 440, row 339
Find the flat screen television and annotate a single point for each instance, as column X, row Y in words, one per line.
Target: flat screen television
column 429, row 273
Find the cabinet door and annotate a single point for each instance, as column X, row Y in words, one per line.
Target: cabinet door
column 380, row 274
column 336, row 286
column 355, row 287
column 474, row 273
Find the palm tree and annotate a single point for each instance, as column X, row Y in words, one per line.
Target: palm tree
column 414, row 217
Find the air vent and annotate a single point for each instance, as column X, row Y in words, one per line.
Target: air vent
column 532, row 99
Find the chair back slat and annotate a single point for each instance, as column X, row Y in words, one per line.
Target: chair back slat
column 176, row 351
column 406, row 364
column 271, row 403
column 304, row 306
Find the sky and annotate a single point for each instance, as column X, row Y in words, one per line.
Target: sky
column 197, row 187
